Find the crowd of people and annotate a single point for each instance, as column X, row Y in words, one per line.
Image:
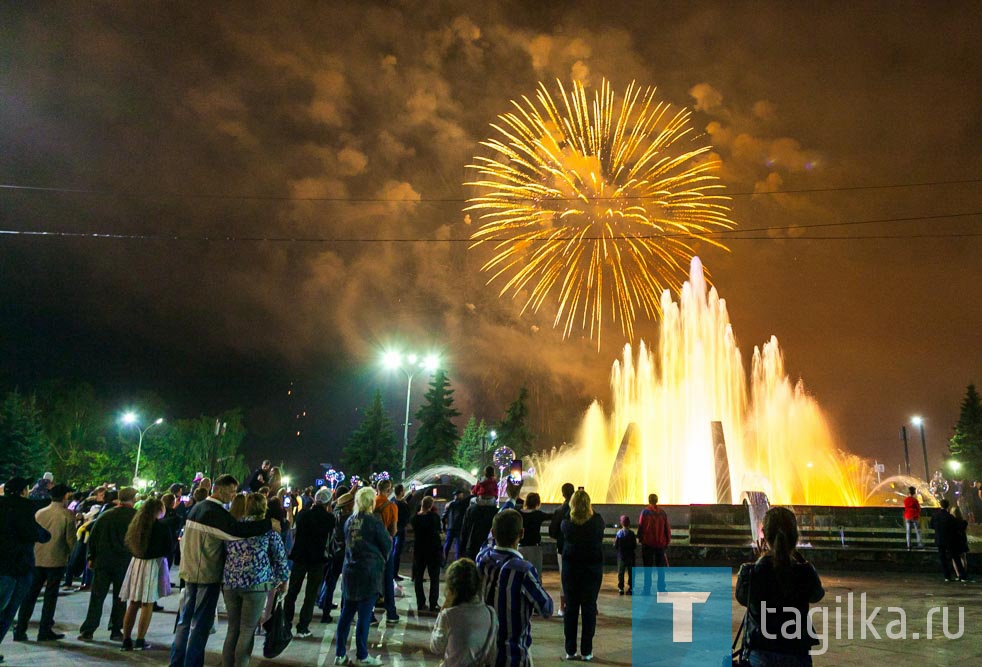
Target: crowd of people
column 258, row 544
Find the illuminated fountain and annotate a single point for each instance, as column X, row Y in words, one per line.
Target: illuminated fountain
column 658, row 435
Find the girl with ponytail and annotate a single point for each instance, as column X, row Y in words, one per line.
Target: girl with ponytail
column 780, row 579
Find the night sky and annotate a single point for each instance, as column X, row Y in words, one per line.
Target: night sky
column 347, row 122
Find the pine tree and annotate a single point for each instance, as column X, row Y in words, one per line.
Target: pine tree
column 513, row 431
column 372, row 447
column 436, row 438
column 966, row 445
column 23, row 449
column 473, row 442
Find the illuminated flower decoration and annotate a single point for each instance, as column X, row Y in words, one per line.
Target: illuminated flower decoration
column 503, row 456
column 384, row 475
column 530, row 472
column 373, row 479
column 355, row 479
column 334, row 477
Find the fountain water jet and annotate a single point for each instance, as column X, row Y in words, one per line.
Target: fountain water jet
column 658, row 436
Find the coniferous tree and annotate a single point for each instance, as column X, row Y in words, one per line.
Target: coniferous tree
column 472, row 443
column 436, row 438
column 372, row 447
column 23, row 449
column 966, row 445
column 513, row 431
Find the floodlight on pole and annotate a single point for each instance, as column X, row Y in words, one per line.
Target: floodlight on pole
column 130, row 418
column 410, row 365
column 916, row 420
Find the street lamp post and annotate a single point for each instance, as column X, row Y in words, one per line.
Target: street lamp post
column 917, row 421
column 409, row 365
column 130, row 419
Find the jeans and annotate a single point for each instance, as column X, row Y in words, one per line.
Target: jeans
column 244, row 608
column 364, row 609
column 194, row 621
column 653, row 557
column 314, row 574
column 47, row 578
column 430, row 565
column 388, row 586
column 582, row 589
column 397, row 545
column 12, row 593
column 101, row 581
column 331, row 576
column 452, row 542
column 625, row 567
column 916, row 525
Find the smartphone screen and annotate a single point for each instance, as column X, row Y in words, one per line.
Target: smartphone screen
column 516, row 471
column 286, row 501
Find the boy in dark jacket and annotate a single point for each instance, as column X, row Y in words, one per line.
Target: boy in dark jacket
column 625, row 544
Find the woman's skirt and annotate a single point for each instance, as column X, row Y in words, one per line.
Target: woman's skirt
column 146, row 581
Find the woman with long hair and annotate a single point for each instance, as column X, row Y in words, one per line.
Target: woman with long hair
column 367, row 545
column 275, row 481
column 583, row 572
column 466, row 630
column 147, row 579
column 254, row 567
column 237, row 508
column 788, row 583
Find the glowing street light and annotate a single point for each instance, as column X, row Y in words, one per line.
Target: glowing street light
column 916, row 420
column 131, row 419
column 409, row 364
column 955, row 465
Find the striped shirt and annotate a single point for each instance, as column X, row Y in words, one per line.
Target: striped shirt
column 512, row 586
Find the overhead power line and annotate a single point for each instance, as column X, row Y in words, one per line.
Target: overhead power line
column 730, row 234
column 147, row 194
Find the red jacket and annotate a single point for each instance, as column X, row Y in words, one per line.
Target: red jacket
column 912, row 509
column 653, row 527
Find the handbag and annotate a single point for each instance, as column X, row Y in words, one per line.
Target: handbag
column 278, row 635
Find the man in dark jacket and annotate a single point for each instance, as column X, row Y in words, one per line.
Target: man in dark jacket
column 477, row 525
column 259, row 477
column 18, row 534
column 453, row 525
column 943, row 524
column 315, row 527
column 109, row 557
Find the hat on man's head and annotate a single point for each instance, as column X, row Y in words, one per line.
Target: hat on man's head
column 15, row 486
column 323, row 496
column 60, row 490
column 48, row 476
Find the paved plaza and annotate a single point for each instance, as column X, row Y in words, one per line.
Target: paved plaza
column 405, row 643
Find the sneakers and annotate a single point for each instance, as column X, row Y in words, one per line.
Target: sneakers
column 116, row 636
column 588, row 657
column 392, row 619
column 85, row 637
column 342, row 660
column 569, row 658
column 142, row 645
column 620, row 591
column 127, row 644
column 49, row 636
column 561, row 613
column 303, row 634
column 370, row 661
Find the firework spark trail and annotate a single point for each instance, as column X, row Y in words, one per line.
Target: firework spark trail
column 584, row 200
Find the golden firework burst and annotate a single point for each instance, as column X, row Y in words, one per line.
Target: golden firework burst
column 594, row 205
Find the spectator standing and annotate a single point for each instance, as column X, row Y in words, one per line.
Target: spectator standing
column 531, row 543
column 487, row 487
column 427, row 555
column 315, row 528
column 465, row 633
column 945, row 538
column 253, row 567
column 402, row 520
column 511, row 496
column 556, row 533
column 259, row 477
column 477, row 525
column 583, row 571
column 19, row 532
column 109, row 558
column 173, row 523
column 275, row 481
column 513, row 588
column 209, row 527
column 50, row 561
column 41, row 491
column 626, row 545
column 912, row 516
column 453, row 524
column 150, row 539
column 343, row 507
column 368, row 543
column 655, row 534
column 959, row 544
column 386, row 510
column 784, row 581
